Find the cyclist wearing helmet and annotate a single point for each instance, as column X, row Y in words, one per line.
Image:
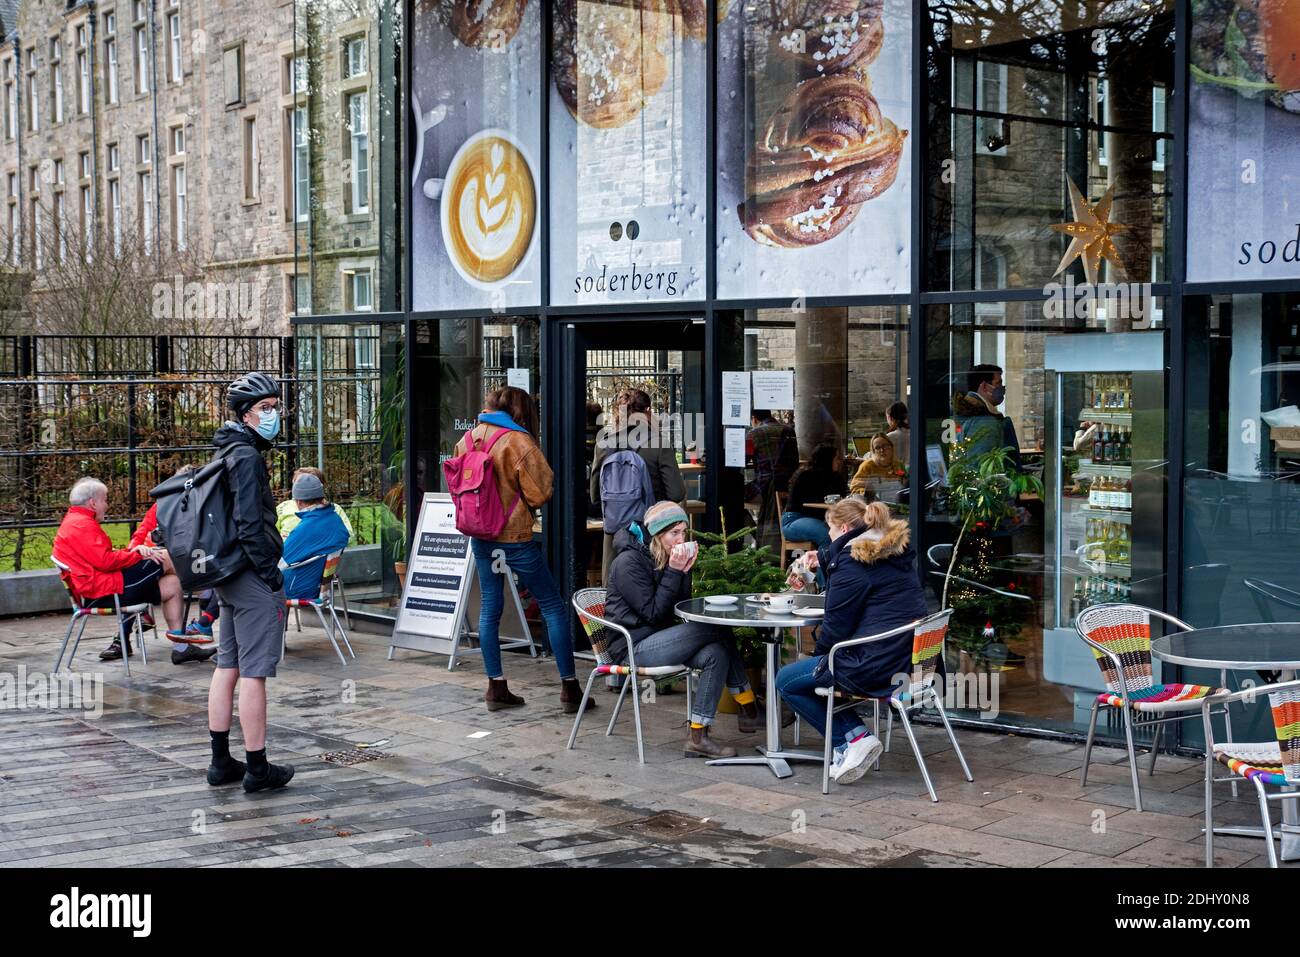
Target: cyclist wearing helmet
column 252, row 602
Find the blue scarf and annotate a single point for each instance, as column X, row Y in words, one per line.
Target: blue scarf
column 502, row 420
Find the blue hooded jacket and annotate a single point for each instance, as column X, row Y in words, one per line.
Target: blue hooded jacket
column 319, row 532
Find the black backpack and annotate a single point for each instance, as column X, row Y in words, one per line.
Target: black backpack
column 196, row 524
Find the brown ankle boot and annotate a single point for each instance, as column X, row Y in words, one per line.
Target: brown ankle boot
column 498, row 695
column 700, row 745
column 571, row 696
column 751, row 718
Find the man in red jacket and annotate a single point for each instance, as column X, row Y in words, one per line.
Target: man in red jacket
column 136, row 575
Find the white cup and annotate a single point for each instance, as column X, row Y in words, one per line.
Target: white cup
column 781, row 602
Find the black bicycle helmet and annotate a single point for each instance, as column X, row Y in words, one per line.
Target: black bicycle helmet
column 249, row 389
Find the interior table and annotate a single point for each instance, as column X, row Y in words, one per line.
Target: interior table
column 1272, row 646
column 769, row 624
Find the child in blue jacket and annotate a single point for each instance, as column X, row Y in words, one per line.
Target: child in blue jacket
column 320, row 531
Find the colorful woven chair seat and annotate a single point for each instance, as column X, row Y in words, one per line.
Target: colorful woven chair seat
column 654, row 672
column 301, row 602
column 1157, row 698
column 1262, row 760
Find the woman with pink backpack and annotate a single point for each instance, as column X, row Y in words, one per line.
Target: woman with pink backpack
column 497, row 478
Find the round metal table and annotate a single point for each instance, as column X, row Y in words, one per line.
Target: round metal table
column 746, row 614
column 1262, row 646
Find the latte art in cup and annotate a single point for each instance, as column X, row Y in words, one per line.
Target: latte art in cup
column 489, row 208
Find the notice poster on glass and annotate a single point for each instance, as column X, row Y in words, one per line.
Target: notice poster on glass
column 814, row 101
column 735, row 398
column 773, row 390
column 476, row 139
column 1243, row 200
column 627, row 142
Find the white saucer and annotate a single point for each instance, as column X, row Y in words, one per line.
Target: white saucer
column 721, row 601
column 810, row 612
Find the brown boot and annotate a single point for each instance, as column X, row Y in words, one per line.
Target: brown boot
column 571, row 696
column 700, row 745
column 751, row 718
column 498, row 696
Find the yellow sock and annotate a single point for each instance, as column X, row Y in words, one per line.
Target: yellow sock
column 695, row 726
column 745, row 697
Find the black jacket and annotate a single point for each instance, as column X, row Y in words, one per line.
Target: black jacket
column 871, row 586
column 250, row 488
column 640, row 596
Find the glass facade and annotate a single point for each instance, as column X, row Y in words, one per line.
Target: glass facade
column 1064, row 230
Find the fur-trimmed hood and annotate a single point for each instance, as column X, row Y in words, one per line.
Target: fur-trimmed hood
column 869, row 548
column 968, row 404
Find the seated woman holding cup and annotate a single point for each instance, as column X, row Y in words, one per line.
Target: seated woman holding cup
column 871, row 587
column 650, row 573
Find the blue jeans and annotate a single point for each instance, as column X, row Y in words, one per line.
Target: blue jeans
column 525, row 560
column 797, row 685
column 706, row 647
column 798, row 527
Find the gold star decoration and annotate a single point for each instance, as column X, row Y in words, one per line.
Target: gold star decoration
column 1090, row 234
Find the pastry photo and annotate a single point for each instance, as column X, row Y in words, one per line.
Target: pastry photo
column 485, row 24
column 822, row 37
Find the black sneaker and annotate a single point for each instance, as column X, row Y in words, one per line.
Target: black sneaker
column 228, row 773
column 113, row 652
column 192, row 653
column 277, row 776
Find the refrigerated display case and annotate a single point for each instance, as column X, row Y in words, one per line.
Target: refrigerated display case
column 1105, row 490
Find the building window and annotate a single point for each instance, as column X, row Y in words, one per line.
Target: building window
column 299, row 294
column 252, row 171
column 58, row 172
column 110, row 58
column 115, row 214
column 141, row 60
column 38, row 254
column 178, row 141
column 178, row 206
column 174, row 46
column 87, row 221
column 145, row 199
column 114, row 158
column 233, row 68
column 83, row 72
column 56, row 80
column 301, row 166
column 60, row 229
column 11, row 100
column 33, row 109
column 12, row 254
column 142, row 148
column 294, row 80
column 354, row 57
column 358, row 290
column 83, row 162
column 359, row 150
column 991, row 95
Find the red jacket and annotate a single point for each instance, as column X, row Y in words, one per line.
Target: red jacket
column 144, row 532
column 84, row 547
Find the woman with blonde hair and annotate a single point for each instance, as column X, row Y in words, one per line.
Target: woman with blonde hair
column 871, row 587
column 650, row 574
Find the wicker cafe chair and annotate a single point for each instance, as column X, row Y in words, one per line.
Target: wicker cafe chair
column 1119, row 635
column 590, row 605
column 122, row 614
column 322, row 604
column 1275, row 763
column 927, row 650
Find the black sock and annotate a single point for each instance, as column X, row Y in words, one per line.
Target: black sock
column 220, row 747
column 257, row 762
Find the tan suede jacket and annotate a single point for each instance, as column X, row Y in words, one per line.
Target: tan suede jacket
column 522, row 473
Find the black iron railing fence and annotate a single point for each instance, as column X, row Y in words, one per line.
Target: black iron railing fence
column 131, row 410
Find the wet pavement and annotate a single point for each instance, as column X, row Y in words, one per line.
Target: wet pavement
column 450, row 784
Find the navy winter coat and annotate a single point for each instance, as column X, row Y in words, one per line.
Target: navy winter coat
column 641, row 597
column 871, row 587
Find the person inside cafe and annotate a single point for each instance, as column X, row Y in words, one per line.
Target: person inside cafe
column 98, row 573
column 871, row 587
column 900, row 430
column 981, row 426
column 773, row 448
column 650, row 575
column 812, row 485
column 879, row 469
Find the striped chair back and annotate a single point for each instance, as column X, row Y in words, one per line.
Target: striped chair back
column 331, row 566
column 590, row 604
column 1286, row 719
column 927, row 647
column 1125, row 631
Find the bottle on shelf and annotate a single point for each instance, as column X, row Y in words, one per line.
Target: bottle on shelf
column 1098, row 447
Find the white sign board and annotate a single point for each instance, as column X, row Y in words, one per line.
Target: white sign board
column 519, row 379
column 735, row 398
column 440, row 589
column 734, row 448
column 773, row 390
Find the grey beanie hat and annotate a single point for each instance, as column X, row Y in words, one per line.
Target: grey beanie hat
column 307, row 488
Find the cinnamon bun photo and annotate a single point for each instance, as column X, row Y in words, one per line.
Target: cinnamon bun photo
column 483, row 24
column 826, row 150
column 822, row 37
column 609, row 58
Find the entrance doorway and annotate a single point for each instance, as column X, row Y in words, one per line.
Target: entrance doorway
column 601, row 363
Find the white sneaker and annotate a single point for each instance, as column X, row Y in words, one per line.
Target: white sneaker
column 858, row 757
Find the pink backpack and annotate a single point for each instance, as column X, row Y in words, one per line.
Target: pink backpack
column 471, row 480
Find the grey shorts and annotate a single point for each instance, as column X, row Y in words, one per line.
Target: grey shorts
column 252, row 625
